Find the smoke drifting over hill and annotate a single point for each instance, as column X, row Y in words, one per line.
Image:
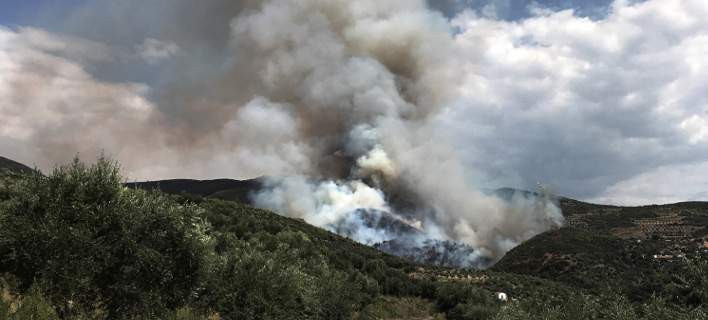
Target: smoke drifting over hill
column 353, row 87
column 370, row 110
column 340, row 97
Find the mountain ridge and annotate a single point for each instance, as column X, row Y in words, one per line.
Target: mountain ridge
column 11, row 166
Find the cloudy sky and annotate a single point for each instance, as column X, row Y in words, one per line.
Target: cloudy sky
column 604, row 101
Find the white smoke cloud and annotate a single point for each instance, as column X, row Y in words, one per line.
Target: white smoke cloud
column 375, row 162
column 328, row 204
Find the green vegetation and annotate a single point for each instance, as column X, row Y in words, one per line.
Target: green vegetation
column 409, row 308
column 78, row 244
column 601, row 262
column 93, row 244
column 596, row 307
column 98, row 249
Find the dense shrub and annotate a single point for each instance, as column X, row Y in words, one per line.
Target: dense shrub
column 472, row 310
column 282, row 276
column 462, row 301
column 34, row 306
column 94, row 243
column 610, row 307
column 451, row 294
column 102, row 249
column 4, row 309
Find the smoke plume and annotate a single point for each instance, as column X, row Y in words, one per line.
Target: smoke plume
column 341, row 99
column 362, row 84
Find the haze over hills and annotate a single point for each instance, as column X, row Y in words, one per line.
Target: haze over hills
column 673, row 229
column 599, row 244
column 636, row 250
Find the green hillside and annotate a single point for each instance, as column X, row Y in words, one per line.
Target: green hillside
column 636, row 251
column 225, row 189
column 78, row 244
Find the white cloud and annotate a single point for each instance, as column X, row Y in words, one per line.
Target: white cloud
column 667, row 184
column 584, row 104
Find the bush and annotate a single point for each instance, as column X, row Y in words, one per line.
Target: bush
column 186, row 313
column 451, row 294
column 472, row 310
column 387, row 307
column 4, row 309
column 34, row 306
column 95, row 243
column 281, row 277
column 611, row 307
column 462, row 301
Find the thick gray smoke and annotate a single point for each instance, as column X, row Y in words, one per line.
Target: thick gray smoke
column 341, row 98
column 361, row 83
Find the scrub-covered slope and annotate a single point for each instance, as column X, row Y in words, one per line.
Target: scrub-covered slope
column 639, row 251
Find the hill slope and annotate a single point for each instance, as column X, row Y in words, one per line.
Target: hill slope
column 120, row 253
column 634, row 250
column 10, row 166
column 225, row 189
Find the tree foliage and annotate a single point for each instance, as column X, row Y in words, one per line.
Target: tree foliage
column 95, row 243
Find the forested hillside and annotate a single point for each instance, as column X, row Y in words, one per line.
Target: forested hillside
column 77, row 243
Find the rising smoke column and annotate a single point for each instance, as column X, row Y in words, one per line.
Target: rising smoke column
column 364, row 81
column 341, row 99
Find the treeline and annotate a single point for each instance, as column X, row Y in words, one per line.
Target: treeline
column 78, row 244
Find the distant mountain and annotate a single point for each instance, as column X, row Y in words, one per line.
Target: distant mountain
column 11, row 166
column 224, row 189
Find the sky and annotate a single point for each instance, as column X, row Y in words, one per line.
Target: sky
column 604, row 101
column 36, row 12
